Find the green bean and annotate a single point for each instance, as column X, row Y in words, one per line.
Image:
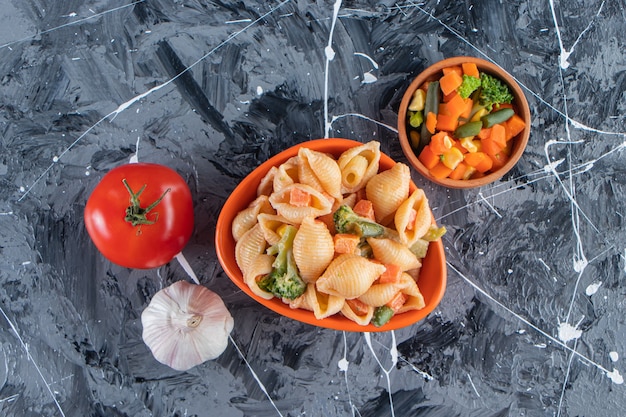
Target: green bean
column 431, row 106
column 468, row 130
column 498, row 116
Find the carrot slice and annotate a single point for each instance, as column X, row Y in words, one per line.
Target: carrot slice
column 358, row 306
column 499, row 160
column 447, row 122
column 299, row 197
column 391, row 275
column 440, row 170
column 491, row 147
column 364, row 208
column 479, row 160
column 458, row 172
column 455, row 106
column 428, row 158
column 514, row 126
column 431, row 122
column 470, row 68
column 450, row 82
column 498, row 135
column 466, row 113
column 345, row 243
column 440, row 142
column 397, row 301
column 454, row 68
column 484, row 133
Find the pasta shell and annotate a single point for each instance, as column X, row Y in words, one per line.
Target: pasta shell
column 389, row 251
column 251, row 245
column 320, row 171
column 313, row 249
column 269, row 224
column 379, row 294
column 319, row 204
column 266, row 186
column 349, row 276
column 358, row 165
column 363, row 318
column 258, row 268
column 387, row 190
column 286, row 174
column 413, row 218
column 322, row 305
column 248, row 217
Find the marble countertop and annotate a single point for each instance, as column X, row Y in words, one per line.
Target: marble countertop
column 532, row 322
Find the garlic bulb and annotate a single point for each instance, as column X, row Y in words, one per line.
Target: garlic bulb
column 185, row 325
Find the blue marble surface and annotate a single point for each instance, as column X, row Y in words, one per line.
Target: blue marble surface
column 532, row 322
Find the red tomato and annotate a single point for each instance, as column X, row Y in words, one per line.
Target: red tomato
column 153, row 197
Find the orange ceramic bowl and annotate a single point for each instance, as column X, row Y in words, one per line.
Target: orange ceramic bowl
column 432, row 280
column 520, row 104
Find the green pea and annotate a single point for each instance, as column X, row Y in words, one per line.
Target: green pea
column 382, row 315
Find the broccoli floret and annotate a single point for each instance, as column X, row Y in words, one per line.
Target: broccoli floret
column 468, row 86
column 347, row 221
column 284, row 281
column 493, row 91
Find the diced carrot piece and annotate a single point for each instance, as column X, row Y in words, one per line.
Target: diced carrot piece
column 458, row 172
column 466, row 113
column 470, row 68
column 299, row 198
column 391, row 275
column 499, row 160
column 490, row 147
column 328, row 220
column 454, row 68
column 484, row 133
column 397, row 301
column 503, row 106
column 440, row 170
column 514, row 126
column 442, row 109
column 455, row 106
column 440, row 142
column 358, row 306
column 428, row 158
column 479, row 160
column 498, row 135
column 431, row 122
column 447, row 122
column 364, row 208
column 345, row 243
column 450, row 82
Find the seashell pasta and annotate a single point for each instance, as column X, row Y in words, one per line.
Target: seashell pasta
column 332, row 235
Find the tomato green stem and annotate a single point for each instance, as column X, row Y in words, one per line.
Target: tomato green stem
column 135, row 214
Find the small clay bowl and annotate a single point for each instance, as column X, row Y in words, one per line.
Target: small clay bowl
column 520, row 105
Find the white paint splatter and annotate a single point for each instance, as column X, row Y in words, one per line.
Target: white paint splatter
column 615, row 377
column 185, row 264
column 135, row 158
column 593, row 288
column 374, row 63
column 259, row 90
column 614, row 356
column 343, row 364
column 369, row 78
column 568, row 332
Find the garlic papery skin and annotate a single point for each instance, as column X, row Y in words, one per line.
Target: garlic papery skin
column 185, row 325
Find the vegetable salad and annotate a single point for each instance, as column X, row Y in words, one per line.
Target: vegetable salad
column 462, row 125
